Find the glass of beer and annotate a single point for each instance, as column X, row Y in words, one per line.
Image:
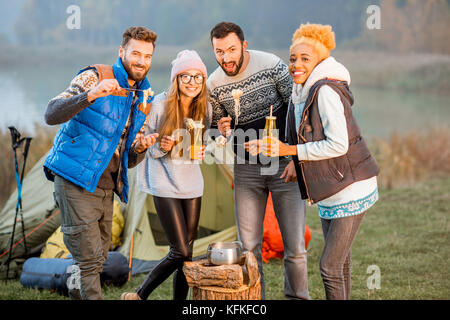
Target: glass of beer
column 196, row 133
column 270, row 131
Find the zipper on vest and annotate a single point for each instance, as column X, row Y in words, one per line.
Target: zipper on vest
column 310, row 202
column 304, row 117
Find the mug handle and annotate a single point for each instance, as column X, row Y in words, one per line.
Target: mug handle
column 239, row 243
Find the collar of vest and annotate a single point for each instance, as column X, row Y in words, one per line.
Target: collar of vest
column 121, row 76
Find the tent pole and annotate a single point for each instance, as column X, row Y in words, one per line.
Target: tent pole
column 131, row 256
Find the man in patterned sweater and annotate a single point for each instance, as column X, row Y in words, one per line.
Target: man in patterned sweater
column 264, row 80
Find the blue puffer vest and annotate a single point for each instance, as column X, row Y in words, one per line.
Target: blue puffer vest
column 84, row 146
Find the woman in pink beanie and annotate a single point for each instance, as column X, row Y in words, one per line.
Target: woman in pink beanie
column 175, row 184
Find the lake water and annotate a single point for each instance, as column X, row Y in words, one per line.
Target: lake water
column 25, row 94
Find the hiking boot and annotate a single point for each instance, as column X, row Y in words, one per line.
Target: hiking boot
column 75, row 294
column 130, row 296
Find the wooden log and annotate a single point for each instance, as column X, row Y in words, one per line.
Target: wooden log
column 251, row 266
column 245, row 292
column 201, row 273
column 225, row 282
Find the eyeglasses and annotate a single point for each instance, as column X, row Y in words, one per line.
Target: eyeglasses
column 186, row 78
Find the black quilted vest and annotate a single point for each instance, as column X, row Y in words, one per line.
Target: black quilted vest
column 319, row 180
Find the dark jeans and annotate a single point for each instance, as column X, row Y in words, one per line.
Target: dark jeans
column 335, row 263
column 179, row 219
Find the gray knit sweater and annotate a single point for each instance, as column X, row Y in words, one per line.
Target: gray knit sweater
column 159, row 174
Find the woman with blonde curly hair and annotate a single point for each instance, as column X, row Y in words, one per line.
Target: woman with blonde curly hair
column 333, row 165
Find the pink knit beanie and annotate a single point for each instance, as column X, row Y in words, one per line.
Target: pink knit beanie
column 186, row 60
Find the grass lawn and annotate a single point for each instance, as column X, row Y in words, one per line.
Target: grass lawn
column 405, row 234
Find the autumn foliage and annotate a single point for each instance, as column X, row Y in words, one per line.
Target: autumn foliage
column 413, row 25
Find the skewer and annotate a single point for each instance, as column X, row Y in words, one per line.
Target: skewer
column 133, row 89
column 142, row 90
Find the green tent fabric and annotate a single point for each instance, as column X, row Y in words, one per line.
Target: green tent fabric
column 42, row 218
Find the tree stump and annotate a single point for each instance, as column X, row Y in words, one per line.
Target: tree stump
column 244, row 292
column 225, row 282
column 201, row 273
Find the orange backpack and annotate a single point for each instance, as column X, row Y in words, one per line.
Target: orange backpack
column 272, row 241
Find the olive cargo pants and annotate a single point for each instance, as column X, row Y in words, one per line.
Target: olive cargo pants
column 86, row 222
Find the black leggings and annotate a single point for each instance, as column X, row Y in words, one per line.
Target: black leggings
column 179, row 219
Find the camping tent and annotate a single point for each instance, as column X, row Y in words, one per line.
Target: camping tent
column 142, row 234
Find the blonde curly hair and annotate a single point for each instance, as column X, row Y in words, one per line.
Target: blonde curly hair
column 320, row 37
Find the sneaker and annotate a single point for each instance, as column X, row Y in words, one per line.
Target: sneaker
column 130, row 296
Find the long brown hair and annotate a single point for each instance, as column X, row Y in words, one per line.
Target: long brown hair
column 173, row 115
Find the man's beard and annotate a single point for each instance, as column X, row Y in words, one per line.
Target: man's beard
column 131, row 74
column 238, row 65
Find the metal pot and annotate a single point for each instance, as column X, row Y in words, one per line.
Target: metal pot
column 220, row 253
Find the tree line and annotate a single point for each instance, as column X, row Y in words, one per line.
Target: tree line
column 267, row 23
column 418, row 25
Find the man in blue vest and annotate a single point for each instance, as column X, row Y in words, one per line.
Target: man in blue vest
column 102, row 113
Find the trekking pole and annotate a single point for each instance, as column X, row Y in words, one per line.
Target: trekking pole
column 16, row 143
column 25, row 155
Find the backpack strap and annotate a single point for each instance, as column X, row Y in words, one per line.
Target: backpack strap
column 104, row 72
